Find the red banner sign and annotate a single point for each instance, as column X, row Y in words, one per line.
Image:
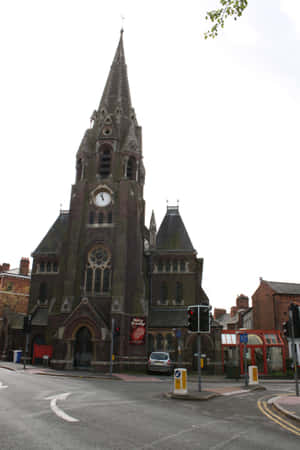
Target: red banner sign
column 137, row 330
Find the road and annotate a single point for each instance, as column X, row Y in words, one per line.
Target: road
column 118, row 414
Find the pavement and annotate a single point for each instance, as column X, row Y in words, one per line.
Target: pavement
column 287, row 404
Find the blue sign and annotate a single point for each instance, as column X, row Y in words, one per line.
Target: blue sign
column 244, row 338
column 178, row 333
column 177, row 373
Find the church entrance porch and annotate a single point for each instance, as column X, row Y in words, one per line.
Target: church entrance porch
column 83, row 348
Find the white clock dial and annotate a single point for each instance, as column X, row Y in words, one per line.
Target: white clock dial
column 103, row 198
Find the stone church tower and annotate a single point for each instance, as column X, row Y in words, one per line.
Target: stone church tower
column 89, row 268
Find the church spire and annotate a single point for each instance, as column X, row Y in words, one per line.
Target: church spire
column 116, row 95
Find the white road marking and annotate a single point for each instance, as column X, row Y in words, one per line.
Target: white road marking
column 235, row 392
column 2, row 385
column 59, row 412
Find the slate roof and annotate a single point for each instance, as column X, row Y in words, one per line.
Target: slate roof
column 40, row 317
column 284, row 288
column 172, row 234
column 53, row 240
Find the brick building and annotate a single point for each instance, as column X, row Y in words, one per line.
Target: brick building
column 14, row 298
column 235, row 319
column 271, row 302
column 99, row 263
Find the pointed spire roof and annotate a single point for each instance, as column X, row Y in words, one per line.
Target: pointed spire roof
column 152, row 222
column 117, row 93
column 172, row 234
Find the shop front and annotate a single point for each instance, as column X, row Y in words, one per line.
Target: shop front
column 264, row 349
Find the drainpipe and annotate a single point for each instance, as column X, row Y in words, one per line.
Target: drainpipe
column 274, row 310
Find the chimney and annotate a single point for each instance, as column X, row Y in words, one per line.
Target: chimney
column 242, row 302
column 233, row 311
column 218, row 312
column 24, row 266
column 5, row 267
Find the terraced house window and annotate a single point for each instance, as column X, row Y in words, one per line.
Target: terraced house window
column 98, row 271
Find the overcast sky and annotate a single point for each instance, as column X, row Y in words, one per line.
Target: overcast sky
column 220, row 123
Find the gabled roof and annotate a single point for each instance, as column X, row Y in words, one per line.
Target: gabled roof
column 284, row 288
column 172, row 234
column 53, row 240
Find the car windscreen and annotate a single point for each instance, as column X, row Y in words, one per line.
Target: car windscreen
column 159, row 356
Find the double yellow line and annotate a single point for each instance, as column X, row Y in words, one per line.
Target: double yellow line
column 268, row 411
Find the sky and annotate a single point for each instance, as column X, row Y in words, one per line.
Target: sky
column 220, row 123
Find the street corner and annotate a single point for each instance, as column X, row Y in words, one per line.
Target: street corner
column 289, row 405
column 194, row 396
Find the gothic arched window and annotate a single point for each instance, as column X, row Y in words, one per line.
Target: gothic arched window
column 43, row 292
column 131, row 168
column 159, row 342
column 179, row 292
column 97, row 272
column 163, row 292
column 100, row 217
column 105, row 160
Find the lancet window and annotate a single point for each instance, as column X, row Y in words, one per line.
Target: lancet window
column 98, row 271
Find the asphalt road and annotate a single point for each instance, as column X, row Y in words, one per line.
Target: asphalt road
column 115, row 414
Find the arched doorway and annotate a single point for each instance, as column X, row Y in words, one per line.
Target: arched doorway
column 83, row 348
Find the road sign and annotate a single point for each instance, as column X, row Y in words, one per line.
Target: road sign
column 244, row 338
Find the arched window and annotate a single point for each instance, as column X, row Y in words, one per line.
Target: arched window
column 159, row 342
column 43, row 292
column 164, row 292
column 160, row 266
column 42, row 266
column 175, row 265
column 48, row 267
column 97, row 280
column 78, row 170
column 97, row 272
column 91, row 217
column 131, row 168
column 109, row 217
column 182, row 265
column 105, row 160
column 168, row 266
column 179, row 292
column 100, row 217
column 106, row 279
column 55, row 267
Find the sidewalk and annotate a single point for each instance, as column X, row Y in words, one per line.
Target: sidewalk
column 289, row 405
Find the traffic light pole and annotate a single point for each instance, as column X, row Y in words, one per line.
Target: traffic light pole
column 294, row 352
column 112, row 346
column 199, row 360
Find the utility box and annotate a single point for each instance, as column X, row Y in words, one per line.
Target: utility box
column 17, row 356
column 180, row 381
column 253, row 375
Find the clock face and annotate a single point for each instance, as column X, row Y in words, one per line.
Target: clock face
column 103, row 198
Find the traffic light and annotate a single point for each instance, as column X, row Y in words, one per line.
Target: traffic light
column 27, row 324
column 205, row 319
column 296, row 318
column 116, row 330
column 286, row 328
column 192, row 313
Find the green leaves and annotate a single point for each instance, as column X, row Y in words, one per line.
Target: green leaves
column 233, row 8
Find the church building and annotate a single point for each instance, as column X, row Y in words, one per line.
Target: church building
column 100, row 265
